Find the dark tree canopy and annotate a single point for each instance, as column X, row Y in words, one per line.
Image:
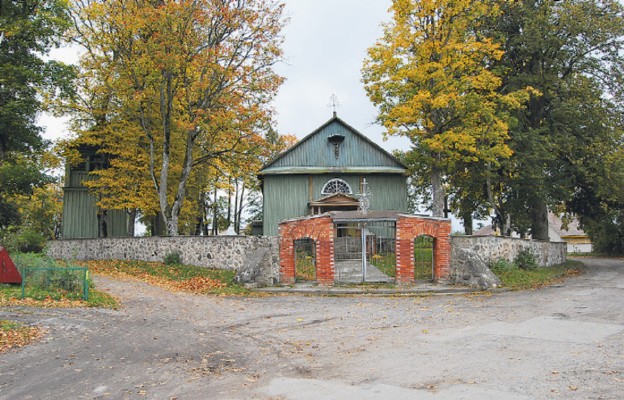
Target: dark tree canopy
column 28, row 30
column 571, row 52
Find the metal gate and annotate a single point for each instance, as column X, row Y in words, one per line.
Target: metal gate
column 365, row 252
column 423, row 258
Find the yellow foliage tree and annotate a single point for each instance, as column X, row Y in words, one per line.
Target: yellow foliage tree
column 430, row 77
column 174, row 87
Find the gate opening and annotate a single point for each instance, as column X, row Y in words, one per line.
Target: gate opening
column 423, row 258
column 305, row 260
column 365, row 251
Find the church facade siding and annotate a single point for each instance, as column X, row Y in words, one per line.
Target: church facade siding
column 334, row 151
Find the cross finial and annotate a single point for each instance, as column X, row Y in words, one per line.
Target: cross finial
column 363, row 198
column 334, row 103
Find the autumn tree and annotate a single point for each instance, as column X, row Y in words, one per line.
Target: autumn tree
column 182, row 84
column 430, row 77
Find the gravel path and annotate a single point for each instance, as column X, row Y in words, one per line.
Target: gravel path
column 562, row 342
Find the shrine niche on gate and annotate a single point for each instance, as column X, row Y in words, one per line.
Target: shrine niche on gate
column 365, row 246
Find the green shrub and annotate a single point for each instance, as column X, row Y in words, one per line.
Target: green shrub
column 26, row 241
column 65, row 280
column 502, row 265
column 172, row 258
column 526, row 260
column 32, row 260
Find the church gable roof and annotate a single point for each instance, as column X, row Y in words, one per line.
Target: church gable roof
column 334, row 147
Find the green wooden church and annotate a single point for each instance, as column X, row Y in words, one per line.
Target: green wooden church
column 324, row 172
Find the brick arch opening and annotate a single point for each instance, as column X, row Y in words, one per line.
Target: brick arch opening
column 320, row 230
column 408, row 229
column 424, row 258
column 305, row 259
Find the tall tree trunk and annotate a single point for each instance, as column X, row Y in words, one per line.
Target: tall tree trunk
column 437, row 206
column 500, row 217
column 467, row 219
column 215, row 214
column 234, row 223
column 240, row 208
column 187, row 165
column 131, row 218
column 229, row 210
column 539, row 219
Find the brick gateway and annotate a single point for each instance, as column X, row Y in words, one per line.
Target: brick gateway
column 322, row 229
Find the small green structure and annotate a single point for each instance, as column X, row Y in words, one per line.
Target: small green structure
column 324, row 172
column 82, row 218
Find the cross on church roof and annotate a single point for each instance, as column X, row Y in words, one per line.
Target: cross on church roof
column 334, row 103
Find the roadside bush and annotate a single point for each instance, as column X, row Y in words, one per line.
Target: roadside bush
column 172, row 258
column 32, row 260
column 26, row 241
column 526, row 260
column 502, row 265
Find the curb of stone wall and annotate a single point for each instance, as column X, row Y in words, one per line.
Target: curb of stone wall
column 420, row 290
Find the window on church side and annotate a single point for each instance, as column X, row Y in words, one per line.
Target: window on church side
column 336, row 186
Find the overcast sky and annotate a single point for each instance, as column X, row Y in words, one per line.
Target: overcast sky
column 325, row 45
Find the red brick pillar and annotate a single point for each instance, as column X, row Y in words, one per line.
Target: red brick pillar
column 442, row 253
column 321, row 230
column 404, row 251
column 325, row 261
column 287, row 260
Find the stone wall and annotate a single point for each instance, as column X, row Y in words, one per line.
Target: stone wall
column 223, row 252
column 257, row 259
column 492, row 248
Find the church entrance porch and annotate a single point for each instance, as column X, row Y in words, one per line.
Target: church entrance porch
column 374, row 246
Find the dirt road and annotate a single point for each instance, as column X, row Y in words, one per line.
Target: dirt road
column 562, row 342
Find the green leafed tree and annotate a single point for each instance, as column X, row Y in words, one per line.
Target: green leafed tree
column 28, row 30
column 571, row 52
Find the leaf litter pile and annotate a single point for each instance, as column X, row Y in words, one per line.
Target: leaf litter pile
column 172, row 277
column 14, row 335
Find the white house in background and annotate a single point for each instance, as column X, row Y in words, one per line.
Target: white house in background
column 577, row 240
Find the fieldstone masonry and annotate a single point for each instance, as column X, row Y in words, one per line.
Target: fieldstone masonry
column 493, row 248
column 238, row 253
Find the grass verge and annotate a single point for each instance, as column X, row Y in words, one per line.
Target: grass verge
column 10, row 295
column 15, row 334
column 57, row 288
column 519, row 279
column 185, row 278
